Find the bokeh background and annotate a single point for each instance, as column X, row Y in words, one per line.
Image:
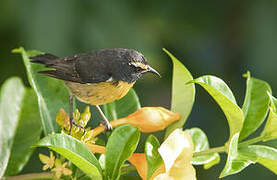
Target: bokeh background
column 223, row 38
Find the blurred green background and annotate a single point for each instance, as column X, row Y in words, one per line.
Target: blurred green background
column 223, row 38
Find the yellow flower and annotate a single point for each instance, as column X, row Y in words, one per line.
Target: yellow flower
column 48, row 161
column 176, row 152
column 60, row 169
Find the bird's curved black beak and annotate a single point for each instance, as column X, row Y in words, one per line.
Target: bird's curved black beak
column 152, row 70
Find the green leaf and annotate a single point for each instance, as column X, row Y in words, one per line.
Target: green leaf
column 75, row 151
column 215, row 161
column 121, row 144
column 122, row 107
column 225, row 99
column 273, row 101
column 266, row 156
column 28, row 131
column 52, row 94
column 11, row 97
column 153, row 158
column 182, row 94
column 201, row 143
column 236, row 161
column 255, row 106
column 270, row 129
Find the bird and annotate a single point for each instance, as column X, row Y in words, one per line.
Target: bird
column 97, row 77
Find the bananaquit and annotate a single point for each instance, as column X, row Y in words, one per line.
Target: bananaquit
column 98, row 77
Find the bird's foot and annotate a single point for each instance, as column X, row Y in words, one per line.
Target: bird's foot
column 108, row 126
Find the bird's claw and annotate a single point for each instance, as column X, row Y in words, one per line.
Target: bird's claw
column 108, row 126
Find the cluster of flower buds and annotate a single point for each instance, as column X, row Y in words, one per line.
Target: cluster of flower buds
column 82, row 119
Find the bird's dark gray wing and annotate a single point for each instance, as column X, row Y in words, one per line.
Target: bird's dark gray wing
column 92, row 68
column 81, row 68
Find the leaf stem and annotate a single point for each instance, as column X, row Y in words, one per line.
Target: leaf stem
column 209, row 151
column 127, row 169
column 224, row 148
column 44, row 175
column 251, row 141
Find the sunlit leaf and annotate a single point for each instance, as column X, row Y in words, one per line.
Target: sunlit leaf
column 270, row 129
column 255, row 106
column 225, row 99
column 11, row 98
column 182, row 95
column 153, row 157
column 213, row 162
column 121, row 144
column 29, row 119
column 122, row 107
column 52, row 94
column 75, row 151
column 266, row 156
column 236, row 161
column 201, row 143
column 273, row 101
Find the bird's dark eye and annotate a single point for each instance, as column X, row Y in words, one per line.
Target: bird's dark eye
column 138, row 69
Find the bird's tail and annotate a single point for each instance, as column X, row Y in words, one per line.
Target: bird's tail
column 46, row 59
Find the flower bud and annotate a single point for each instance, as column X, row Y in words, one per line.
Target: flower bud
column 151, row 119
column 62, row 119
column 96, row 148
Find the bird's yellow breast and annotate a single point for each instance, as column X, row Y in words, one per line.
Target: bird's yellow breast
column 99, row 93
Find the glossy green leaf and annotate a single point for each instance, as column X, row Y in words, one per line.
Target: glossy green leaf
column 270, row 129
column 11, row 98
column 52, row 93
column 182, row 95
column 121, row 144
column 236, row 161
column 28, row 131
column 273, row 101
column 255, row 106
column 213, row 162
column 75, row 151
column 153, row 157
column 201, row 143
column 122, row 107
column 266, row 156
column 225, row 99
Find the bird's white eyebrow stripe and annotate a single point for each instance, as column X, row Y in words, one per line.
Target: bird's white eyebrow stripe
column 139, row 64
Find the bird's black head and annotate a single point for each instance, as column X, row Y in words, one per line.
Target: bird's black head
column 133, row 65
